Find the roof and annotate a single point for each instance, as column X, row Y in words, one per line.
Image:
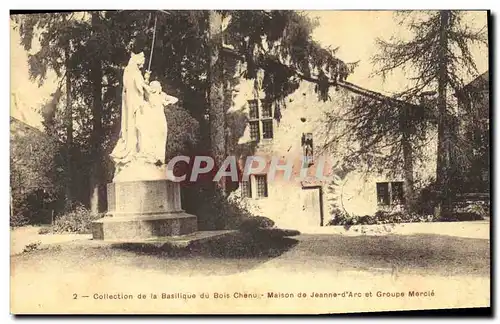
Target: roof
column 374, row 95
column 481, row 81
column 19, row 123
column 344, row 84
column 21, row 112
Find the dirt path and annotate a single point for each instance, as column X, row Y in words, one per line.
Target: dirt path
column 21, row 237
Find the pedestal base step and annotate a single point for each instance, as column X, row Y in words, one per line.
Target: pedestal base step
column 180, row 243
column 150, row 227
column 166, row 242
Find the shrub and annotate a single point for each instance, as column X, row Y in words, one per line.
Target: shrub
column 32, row 247
column 340, row 217
column 18, row 219
column 76, row 221
column 427, row 199
column 45, row 230
column 481, row 210
column 215, row 211
column 252, row 223
column 379, row 217
column 469, row 211
column 465, row 217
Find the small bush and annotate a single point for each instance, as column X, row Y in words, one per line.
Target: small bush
column 480, row 209
column 380, row 217
column 469, row 211
column 465, row 217
column 18, row 219
column 76, row 221
column 32, row 247
column 252, row 223
column 427, row 199
column 340, row 217
column 215, row 211
column 45, row 230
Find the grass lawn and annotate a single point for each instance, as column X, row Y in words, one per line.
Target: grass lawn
column 418, row 254
column 45, row 280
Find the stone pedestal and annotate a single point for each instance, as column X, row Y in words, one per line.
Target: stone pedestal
column 142, row 210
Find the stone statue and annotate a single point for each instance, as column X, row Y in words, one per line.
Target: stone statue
column 152, row 125
column 140, row 150
column 143, row 203
column 134, row 86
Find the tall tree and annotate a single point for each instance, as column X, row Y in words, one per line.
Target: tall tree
column 437, row 56
column 216, row 114
column 96, row 76
column 68, row 118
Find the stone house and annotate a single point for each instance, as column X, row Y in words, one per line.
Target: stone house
column 299, row 138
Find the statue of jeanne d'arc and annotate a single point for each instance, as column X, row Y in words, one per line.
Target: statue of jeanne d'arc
column 143, row 129
column 134, row 87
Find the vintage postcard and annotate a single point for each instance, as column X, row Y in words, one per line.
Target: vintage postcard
column 249, row 162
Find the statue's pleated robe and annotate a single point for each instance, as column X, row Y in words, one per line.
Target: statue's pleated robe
column 132, row 102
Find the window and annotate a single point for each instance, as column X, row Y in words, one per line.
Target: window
column 390, row 193
column 267, row 129
column 253, row 109
column 383, row 193
column 266, row 108
column 261, row 185
column 246, row 189
column 260, row 119
column 254, row 187
column 254, row 131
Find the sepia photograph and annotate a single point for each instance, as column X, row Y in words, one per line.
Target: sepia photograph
column 245, row 162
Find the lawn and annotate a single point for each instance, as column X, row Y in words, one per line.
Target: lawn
column 309, row 262
column 419, row 254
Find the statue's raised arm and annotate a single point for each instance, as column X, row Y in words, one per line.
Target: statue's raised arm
column 169, row 100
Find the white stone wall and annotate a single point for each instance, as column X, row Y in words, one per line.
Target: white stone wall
column 355, row 192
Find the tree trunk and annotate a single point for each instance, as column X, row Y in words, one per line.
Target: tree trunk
column 407, row 159
column 217, row 118
column 96, row 137
column 443, row 158
column 68, row 119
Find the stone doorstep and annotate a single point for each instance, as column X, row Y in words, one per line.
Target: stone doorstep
column 181, row 241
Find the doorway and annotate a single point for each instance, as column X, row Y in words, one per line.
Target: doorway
column 312, row 205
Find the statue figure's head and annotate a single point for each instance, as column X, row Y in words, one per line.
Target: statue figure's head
column 155, row 87
column 138, row 59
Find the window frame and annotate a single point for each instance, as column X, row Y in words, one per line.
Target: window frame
column 387, row 192
column 260, row 118
column 266, row 183
column 252, row 133
column 253, row 183
column 248, row 185
column 390, row 193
